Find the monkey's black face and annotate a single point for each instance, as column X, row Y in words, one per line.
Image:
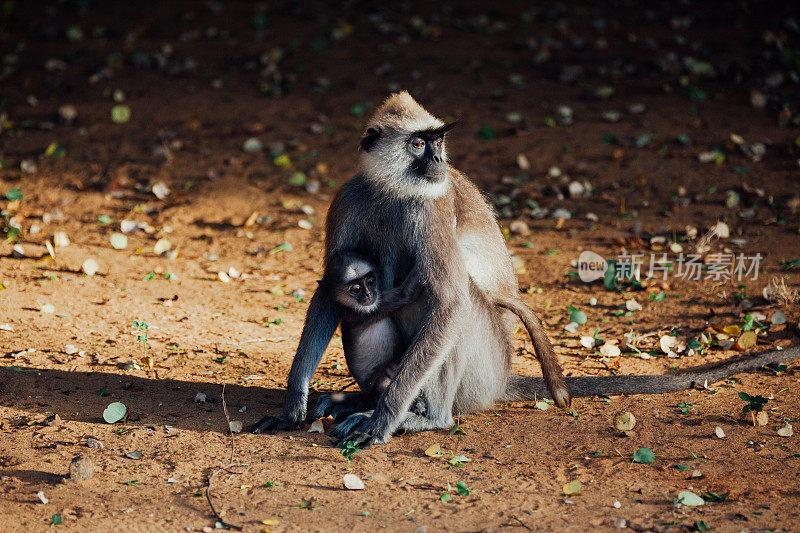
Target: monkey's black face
column 428, row 151
column 362, row 290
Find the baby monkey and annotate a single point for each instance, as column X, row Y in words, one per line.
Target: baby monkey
column 372, row 340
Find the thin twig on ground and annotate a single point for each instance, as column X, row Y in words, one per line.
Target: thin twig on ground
column 226, row 468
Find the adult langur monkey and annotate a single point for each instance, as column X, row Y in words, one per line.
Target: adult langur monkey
column 408, row 207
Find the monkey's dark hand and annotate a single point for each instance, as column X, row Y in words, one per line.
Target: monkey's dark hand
column 339, row 405
column 274, row 424
column 358, row 428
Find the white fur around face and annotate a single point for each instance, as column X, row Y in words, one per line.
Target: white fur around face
column 387, row 165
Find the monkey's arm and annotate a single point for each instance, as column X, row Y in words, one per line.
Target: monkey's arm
column 395, row 299
column 448, row 297
column 321, row 320
column 522, row 388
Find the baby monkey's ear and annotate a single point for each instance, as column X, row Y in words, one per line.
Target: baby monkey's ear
column 370, row 137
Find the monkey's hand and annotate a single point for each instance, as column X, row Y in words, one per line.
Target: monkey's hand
column 274, row 424
column 358, row 428
column 339, row 405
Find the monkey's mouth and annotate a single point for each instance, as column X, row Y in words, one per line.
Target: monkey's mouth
column 435, row 177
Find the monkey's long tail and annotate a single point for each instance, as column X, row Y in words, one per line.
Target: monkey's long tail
column 522, row 388
column 551, row 370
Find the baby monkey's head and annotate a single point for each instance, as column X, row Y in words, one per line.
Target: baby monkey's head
column 352, row 281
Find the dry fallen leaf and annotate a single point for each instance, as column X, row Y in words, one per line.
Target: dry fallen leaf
column 572, row 488
column 746, row 341
column 434, row 450
column 624, row 421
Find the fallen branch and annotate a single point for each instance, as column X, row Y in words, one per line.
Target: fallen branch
column 227, row 468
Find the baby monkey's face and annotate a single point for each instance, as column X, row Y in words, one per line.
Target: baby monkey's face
column 362, row 292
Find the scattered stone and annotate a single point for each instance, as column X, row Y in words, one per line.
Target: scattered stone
column 93, row 443
column 27, row 166
column 561, row 213
column 778, row 318
column 81, row 469
column 161, row 246
column 522, row 162
column 610, row 350
column 786, row 430
column 136, row 455
column 313, row 186
column 719, row 433
column 200, row 397
column 68, row 112
column 235, row 426
column 353, row 482
column 42, row 497
column 52, row 420
column 128, row 226
column 316, row 426
column 119, row 241
column 90, row 267
column 576, row 189
column 252, row 145
column 70, row 349
column 620, row 523
column 519, row 227
column 564, row 115
column 633, row 305
column 18, row 252
column 160, row 190
column 60, row 239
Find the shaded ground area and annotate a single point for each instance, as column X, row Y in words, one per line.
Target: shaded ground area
column 626, row 129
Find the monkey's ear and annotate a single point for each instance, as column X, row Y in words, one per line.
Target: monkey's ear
column 368, row 141
column 322, row 283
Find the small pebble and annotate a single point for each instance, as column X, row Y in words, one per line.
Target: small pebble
column 519, row 227
column 80, row 469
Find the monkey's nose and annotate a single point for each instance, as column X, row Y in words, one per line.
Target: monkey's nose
column 437, row 159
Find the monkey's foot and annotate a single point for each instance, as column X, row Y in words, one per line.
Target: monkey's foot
column 339, row 405
column 357, row 428
column 274, row 424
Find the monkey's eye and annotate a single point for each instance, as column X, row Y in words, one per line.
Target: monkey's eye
column 354, row 289
column 370, row 281
column 438, row 143
column 418, row 143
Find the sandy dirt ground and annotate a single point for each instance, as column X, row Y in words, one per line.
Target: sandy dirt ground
column 244, row 120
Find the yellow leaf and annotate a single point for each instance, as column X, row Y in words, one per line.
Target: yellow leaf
column 434, row 451
column 746, row 341
column 732, row 330
column 270, row 521
column 573, row 487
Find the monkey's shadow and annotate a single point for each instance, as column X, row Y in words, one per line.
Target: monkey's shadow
column 149, row 401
